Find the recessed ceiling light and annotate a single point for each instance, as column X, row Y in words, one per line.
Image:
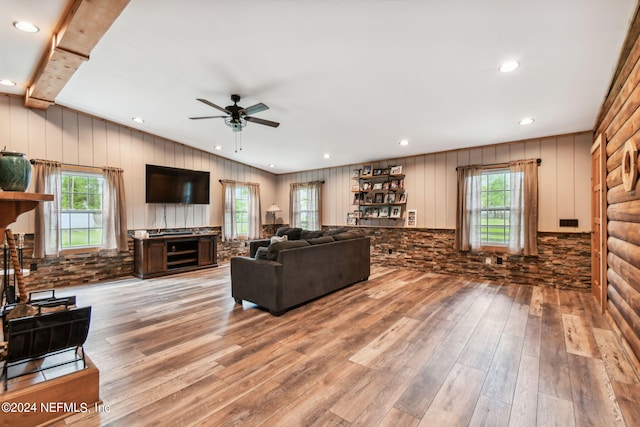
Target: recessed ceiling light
column 27, row 27
column 5, row 82
column 404, row 142
column 137, row 119
column 526, row 121
column 509, row 66
column 217, row 147
column 327, row 156
column 272, row 165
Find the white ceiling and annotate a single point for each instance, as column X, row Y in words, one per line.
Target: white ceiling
column 350, row 78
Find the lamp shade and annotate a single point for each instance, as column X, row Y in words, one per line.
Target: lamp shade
column 273, row 208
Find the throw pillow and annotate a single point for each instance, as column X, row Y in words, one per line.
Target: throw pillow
column 276, row 239
column 306, row 234
column 347, row 235
column 275, row 248
column 281, row 231
column 334, row 231
column 261, row 253
column 321, row 240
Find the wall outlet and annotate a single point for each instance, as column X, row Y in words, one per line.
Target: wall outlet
column 33, row 267
column 390, row 251
column 487, row 260
column 499, row 260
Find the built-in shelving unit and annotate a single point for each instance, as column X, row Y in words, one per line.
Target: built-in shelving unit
column 378, row 194
column 168, row 254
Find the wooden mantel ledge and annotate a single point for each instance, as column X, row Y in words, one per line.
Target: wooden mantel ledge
column 15, row 203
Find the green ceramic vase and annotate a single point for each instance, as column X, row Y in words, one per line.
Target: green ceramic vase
column 15, row 171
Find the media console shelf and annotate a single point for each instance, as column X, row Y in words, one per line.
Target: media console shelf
column 172, row 253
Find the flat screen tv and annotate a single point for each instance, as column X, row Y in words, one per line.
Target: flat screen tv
column 174, row 185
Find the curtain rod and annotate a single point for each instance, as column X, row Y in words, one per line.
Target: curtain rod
column 493, row 165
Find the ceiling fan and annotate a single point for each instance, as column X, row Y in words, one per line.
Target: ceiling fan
column 237, row 117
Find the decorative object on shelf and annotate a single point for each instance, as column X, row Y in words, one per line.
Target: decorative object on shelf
column 351, row 219
column 391, row 198
column 378, row 198
column 395, row 212
column 384, row 212
column 273, row 209
column 403, row 198
column 356, row 173
column 355, row 187
column 412, row 218
column 395, row 170
column 385, row 171
column 15, row 171
column 377, row 186
column 377, row 172
column 367, row 170
column 629, row 168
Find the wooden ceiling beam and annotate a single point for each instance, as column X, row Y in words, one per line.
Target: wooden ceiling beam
column 79, row 31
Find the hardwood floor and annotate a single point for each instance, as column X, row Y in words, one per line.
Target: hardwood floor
column 402, row 349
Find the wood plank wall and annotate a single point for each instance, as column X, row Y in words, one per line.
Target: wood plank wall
column 431, row 182
column 70, row 137
column 619, row 122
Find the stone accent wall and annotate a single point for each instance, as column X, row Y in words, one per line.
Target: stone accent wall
column 564, row 261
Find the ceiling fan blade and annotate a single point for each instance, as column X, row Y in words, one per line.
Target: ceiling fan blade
column 208, row 117
column 262, row 121
column 211, row 104
column 254, row 109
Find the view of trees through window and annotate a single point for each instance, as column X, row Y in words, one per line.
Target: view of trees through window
column 304, row 209
column 81, row 210
column 494, row 222
column 242, row 211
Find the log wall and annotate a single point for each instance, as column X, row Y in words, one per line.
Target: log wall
column 619, row 122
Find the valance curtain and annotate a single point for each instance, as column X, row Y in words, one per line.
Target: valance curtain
column 309, row 216
column 523, row 217
column 47, row 238
column 468, row 209
column 114, row 210
column 229, row 228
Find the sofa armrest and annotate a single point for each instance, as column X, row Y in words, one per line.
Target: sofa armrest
column 257, row 281
column 255, row 244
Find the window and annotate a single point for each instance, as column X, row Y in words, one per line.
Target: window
column 242, row 210
column 495, row 207
column 305, row 205
column 81, row 203
column 498, row 206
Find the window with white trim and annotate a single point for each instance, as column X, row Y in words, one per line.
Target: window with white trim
column 81, row 215
column 242, row 210
column 495, row 207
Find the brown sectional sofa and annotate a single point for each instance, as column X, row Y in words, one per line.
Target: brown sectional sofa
column 299, row 270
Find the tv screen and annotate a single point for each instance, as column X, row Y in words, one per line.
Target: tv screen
column 174, row 185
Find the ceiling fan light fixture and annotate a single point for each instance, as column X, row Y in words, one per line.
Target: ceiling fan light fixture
column 235, row 125
column 509, row 66
column 26, row 27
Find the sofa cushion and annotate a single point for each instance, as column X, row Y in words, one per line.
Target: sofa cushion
column 291, row 233
column 261, row 253
column 306, row 234
column 347, row 235
column 275, row 248
column 276, row 239
column 320, row 240
column 334, row 231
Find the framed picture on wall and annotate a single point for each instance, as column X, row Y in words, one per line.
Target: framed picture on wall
column 412, row 218
column 396, row 170
column 395, row 212
column 367, row 170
